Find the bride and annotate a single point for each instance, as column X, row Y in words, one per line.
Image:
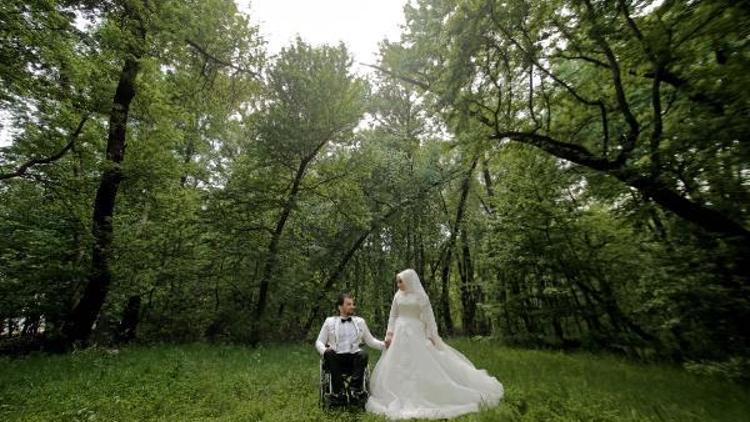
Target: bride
column 418, row 375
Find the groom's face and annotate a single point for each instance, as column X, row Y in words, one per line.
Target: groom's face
column 347, row 308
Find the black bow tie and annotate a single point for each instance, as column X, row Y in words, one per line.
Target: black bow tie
column 349, row 319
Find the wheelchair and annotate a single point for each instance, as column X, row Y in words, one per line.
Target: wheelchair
column 326, row 389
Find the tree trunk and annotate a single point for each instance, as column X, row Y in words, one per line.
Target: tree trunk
column 468, row 289
column 80, row 321
column 457, row 223
column 129, row 321
column 336, row 273
column 273, row 248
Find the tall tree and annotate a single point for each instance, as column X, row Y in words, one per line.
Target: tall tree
column 313, row 100
column 84, row 313
column 605, row 85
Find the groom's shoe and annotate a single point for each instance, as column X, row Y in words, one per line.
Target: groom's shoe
column 337, row 399
column 358, row 395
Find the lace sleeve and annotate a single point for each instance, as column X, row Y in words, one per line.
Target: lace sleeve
column 392, row 316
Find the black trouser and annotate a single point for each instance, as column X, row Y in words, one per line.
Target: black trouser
column 345, row 363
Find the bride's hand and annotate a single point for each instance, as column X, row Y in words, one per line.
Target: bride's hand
column 387, row 342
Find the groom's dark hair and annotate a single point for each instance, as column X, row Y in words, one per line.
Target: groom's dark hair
column 342, row 297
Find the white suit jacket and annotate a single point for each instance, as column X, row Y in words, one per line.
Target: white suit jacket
column 330, row 331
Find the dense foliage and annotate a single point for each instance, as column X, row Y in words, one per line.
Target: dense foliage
column 568, row 174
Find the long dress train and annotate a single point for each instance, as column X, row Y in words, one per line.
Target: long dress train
column 415, row 378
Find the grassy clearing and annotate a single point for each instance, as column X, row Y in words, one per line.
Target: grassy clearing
column 200, row 382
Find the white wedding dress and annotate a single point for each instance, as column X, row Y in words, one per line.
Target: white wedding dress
column 416, row 378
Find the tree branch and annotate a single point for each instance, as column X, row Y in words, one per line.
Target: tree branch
column 634, row 128
column 421, row 84
column 571, row 152
column 21, row 170
column 220, row 61
column 699, row 214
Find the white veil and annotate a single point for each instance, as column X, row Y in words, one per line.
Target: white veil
column 414, row 286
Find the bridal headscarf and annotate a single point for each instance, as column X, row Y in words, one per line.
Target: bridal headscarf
column 414, row 286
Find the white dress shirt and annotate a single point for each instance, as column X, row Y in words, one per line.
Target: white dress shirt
column 347, row 338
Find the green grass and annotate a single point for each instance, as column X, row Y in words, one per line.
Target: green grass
column 200, row 382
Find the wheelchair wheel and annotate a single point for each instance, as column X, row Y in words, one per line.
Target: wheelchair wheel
column 366, row 381
column 324, row 388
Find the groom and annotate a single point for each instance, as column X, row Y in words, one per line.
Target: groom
column 338, row 343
